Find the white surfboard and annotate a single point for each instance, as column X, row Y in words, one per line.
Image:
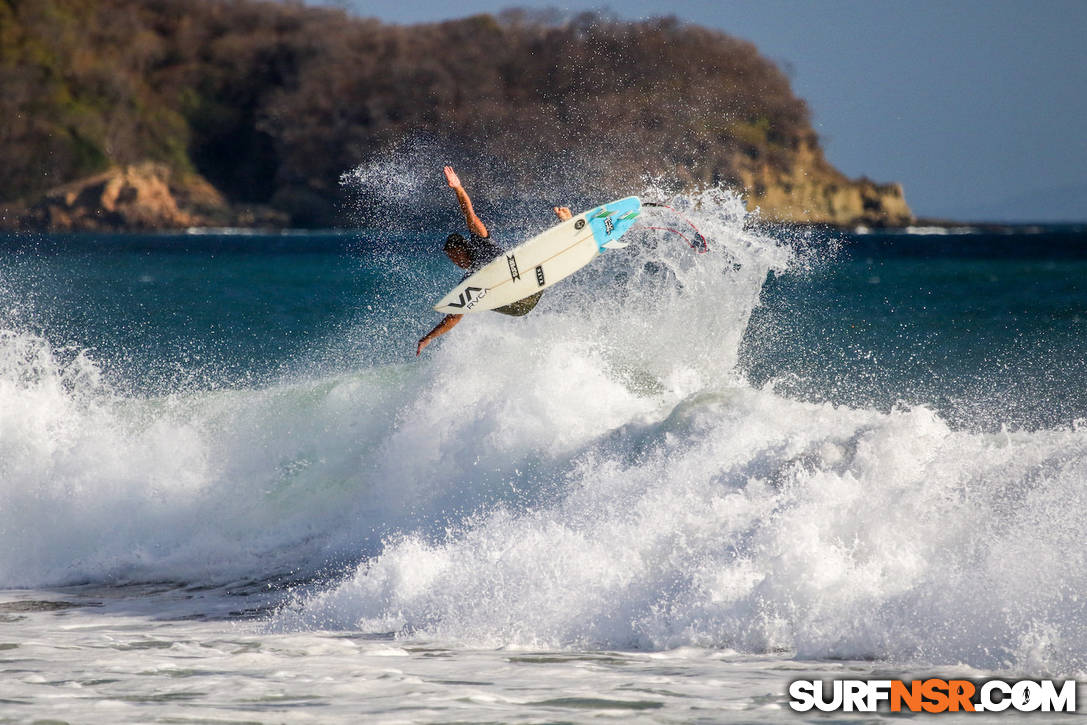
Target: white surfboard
column 543, row 260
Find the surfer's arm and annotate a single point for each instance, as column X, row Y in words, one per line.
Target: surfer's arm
column 447, row 324
column 474, row 224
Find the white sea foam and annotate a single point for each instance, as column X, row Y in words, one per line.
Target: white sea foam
column 596, row 474
column 692, row 509
column 748, row 521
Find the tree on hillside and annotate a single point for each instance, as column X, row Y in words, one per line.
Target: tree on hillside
column 273, row 101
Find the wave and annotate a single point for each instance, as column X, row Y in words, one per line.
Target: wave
column 190, row 487
column 596, row 474
column 99, row 485
column 747, row 521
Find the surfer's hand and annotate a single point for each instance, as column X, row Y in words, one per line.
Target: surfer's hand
column 422, row 345
column 451, row 177
column 563, row 212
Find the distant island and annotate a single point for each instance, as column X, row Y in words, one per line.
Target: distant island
column 158, row 114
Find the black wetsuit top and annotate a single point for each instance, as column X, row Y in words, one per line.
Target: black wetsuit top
column 481, row 250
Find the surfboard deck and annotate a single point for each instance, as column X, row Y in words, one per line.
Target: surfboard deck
column 544, row 260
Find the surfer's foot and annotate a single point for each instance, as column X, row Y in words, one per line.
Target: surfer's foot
column 563, row 212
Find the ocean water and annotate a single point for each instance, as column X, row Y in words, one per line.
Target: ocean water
column 229, row 492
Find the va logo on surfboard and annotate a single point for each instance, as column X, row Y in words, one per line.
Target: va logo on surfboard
column 465, row 298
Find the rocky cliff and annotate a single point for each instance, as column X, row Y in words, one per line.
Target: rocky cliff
column 809, row 190
column 137, row 197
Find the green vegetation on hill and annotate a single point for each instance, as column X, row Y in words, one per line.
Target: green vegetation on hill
column 271, row 101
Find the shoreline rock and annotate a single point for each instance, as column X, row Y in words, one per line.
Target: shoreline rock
column 811, row 191
column 147, row 196
column 150, row 196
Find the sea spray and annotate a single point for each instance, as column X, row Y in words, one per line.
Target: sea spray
column 222, row 484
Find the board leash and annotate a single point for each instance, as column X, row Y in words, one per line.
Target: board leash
column 699, row 242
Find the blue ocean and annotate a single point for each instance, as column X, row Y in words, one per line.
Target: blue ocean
column 230, row 492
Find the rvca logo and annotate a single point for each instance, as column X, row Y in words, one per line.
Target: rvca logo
column 465, row 298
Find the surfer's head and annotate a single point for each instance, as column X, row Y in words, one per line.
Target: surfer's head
column 456, row 248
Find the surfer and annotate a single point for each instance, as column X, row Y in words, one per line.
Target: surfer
column 473, row 254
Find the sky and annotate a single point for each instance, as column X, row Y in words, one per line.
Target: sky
column 977, row 107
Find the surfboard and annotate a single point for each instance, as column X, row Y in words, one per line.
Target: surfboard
column 544, row 260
